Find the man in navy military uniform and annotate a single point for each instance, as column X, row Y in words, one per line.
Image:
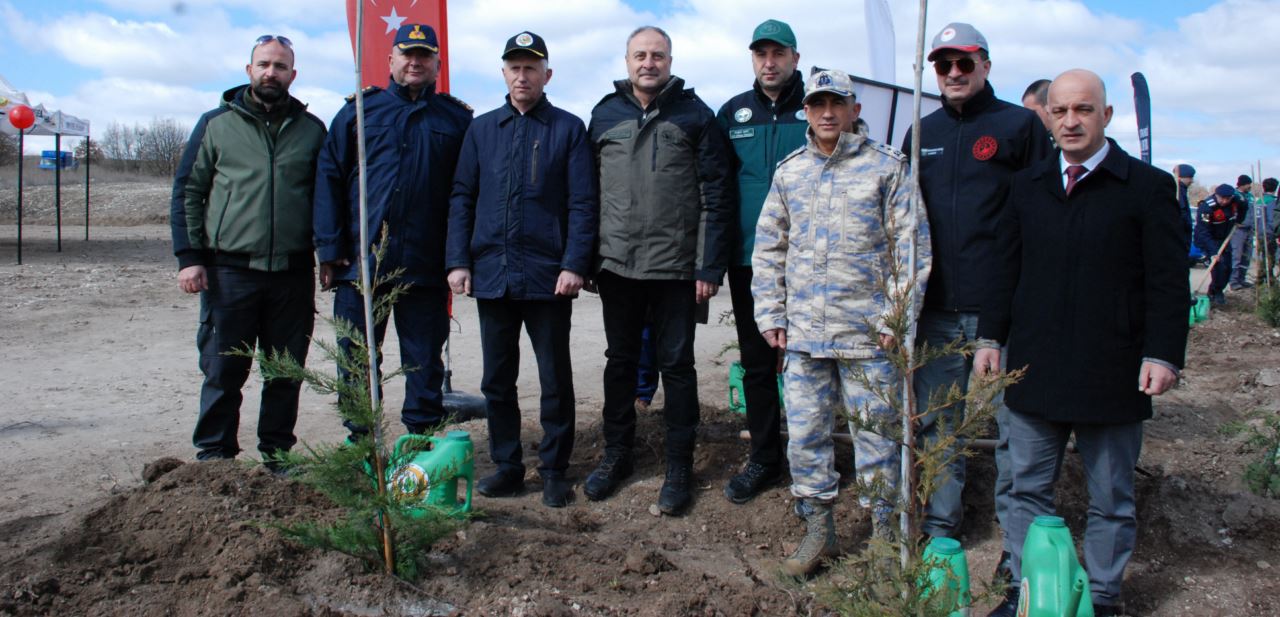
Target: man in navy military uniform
column 522, row 229
column 1217, row 216
column 413, row 135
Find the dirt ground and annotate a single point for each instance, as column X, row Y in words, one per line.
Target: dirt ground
column 101, row 382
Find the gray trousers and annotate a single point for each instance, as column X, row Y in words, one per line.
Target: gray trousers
column 1109, row 453
column 1241, row 254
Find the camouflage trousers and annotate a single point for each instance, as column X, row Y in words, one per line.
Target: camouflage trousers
column 814, row 389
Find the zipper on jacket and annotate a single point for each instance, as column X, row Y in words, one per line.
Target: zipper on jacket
column 654, row 164
column 533, row 172
column 955, row 215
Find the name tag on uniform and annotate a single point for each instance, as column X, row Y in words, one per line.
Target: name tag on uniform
column 741, row 133
column 931, row 151
column 618, row 134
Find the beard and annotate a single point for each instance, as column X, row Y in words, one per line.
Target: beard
column 269, row 93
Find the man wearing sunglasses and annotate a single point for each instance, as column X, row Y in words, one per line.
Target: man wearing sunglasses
column 968, row 151
column 412, row 138
column 241, row 223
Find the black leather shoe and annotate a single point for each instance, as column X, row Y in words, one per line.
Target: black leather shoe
column 753, row 479
column 556, row 492
column 608, row 475
column 1107, row 610
column 501, row 484
column 1009, row 607
column 674, row 496
column 1004, row 569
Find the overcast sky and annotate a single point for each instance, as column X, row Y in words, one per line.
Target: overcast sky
column 1210, row 65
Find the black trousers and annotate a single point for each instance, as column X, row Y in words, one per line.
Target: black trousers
column 547, row 322
column 672, row 306
column 1220, row 276
column 760, row 384
column 245, row 309
column 422, row 323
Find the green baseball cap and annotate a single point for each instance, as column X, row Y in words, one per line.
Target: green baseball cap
column 773, row 30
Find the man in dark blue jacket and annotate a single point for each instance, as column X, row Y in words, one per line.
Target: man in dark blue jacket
column 764, row 124
column 1217, row 217
column 522, row 226
column 412, row 138
column 968, row 151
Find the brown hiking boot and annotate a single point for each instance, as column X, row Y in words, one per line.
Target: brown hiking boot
column 819, row 540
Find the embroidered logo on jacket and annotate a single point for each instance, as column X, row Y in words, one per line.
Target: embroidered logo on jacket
column 985, row 148
column 742, row 115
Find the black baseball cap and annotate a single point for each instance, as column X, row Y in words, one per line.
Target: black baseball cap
column 526, row 42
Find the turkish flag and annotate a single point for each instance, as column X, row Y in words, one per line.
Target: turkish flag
column 382, row 18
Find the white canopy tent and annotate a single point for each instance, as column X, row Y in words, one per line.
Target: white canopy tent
column 57, row 124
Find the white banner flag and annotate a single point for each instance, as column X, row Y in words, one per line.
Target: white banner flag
column 880, row 39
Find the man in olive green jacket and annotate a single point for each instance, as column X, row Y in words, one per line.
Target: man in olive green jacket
column 241, row 222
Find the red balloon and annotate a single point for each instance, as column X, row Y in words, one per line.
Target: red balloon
column 21, row 117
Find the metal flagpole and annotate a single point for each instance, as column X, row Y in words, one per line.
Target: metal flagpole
column 21, row 151
column 906, row 483
column 57, row 184
column 88, row 156
column 375, row 393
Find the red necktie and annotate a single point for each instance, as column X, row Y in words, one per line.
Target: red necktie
column 1074, row 172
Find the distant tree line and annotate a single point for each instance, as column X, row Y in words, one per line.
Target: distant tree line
column 153, row 149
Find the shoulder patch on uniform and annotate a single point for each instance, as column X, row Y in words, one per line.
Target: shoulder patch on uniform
column 367, row 91
column 457, row 101
column 887, row 149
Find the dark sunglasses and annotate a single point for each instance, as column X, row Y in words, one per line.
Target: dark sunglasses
column 267, row 38
column 943, row 67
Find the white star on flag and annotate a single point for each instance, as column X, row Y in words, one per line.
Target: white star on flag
column 393, row 21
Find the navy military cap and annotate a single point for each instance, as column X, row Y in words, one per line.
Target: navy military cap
column 421, row 36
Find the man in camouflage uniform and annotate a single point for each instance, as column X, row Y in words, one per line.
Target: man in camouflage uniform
column 838, row 211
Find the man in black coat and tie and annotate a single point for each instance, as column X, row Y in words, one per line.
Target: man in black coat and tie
column 1089, row 293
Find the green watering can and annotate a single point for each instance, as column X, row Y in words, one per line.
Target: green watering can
column 1053, row 583
column 948, row 574
column 426, row 469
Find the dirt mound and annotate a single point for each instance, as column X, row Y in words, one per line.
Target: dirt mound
column 198, row 540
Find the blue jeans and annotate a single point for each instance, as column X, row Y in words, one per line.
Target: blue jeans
column 944, row 510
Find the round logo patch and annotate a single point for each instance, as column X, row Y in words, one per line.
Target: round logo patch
column 742, row 115
column 985, row 148
column 947, row 35
column 524, row 40
column 799, row 114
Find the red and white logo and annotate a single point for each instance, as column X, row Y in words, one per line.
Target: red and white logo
column 985, row 148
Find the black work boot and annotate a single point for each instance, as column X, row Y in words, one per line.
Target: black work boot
column 1107, row 610
column 819, row 542
column 1009, row 606
column 674, row 496
column 608, row 475
column 501, row 484
column 557, row 492
column 753, row 479
column 1004, row 569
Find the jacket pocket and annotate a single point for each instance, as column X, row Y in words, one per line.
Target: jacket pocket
column 861, row 213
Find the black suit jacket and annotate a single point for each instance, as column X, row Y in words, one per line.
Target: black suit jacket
column 1084, row 287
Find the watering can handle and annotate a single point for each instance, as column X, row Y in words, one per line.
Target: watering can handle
column 404, row 440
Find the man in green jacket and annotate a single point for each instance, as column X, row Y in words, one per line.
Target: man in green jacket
column 241, row 223
column 764, row 124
